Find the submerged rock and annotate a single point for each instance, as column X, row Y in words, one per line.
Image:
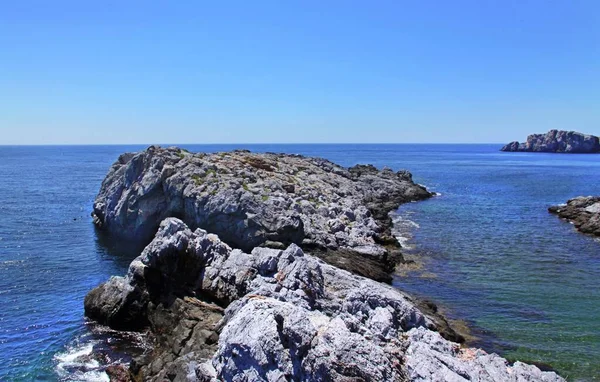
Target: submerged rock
column 253, row 200
column 557, row 141
column 583, row 212
column 220, row 314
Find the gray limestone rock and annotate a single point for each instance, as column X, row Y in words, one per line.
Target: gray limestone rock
column 429, row 357
column 118, row 304
column 218, row 313
column 252, row 200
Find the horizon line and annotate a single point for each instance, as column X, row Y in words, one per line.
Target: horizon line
column 237, row 143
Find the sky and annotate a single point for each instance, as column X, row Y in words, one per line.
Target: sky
column 123, row 72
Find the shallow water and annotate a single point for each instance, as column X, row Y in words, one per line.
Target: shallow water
column 492, row 254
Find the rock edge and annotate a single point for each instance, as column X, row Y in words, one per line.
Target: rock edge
column 583, row 212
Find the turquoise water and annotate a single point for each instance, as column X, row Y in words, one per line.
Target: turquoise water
column 492, row 255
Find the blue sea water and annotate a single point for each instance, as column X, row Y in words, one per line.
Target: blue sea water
column 490, row 253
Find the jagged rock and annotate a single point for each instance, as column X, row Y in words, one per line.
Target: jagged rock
column 583, row 212
column 288, row 316
column 117, row 304
column 557, row 141
column 118, row 373
column 429, row 357
column 251, row 200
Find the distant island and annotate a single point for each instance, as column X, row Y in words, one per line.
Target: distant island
column 557, row 141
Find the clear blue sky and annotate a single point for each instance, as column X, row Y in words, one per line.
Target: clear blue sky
column 296, row 71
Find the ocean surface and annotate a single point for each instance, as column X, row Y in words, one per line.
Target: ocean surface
column 486, row 250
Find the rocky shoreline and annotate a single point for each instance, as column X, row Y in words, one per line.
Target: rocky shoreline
column 557, row 141
column 583, row 212
column 229, row 287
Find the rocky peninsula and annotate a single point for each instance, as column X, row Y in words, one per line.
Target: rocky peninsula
column 230, row 289
column 583, row 212
column 271, row 200
column 557, row 141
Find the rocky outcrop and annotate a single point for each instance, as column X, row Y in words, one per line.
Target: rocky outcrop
column 252, row 200
column 221, row 314
column 557, row 141
column 583, row 212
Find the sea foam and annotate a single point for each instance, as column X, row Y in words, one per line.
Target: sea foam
column 78, row 364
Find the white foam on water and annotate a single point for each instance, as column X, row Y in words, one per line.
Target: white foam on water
column 403, row 222
column 77, row 364
column 87, row 356
column 402, row 229
column 75, row 353
column 405, row 242
column 12, row 262
column 90, row 376
column 412, row 223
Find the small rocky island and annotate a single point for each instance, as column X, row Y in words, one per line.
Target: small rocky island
column 243, row 281
column 557, row 141
column 583, row 212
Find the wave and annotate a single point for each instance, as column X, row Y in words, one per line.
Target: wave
column 77, row 363
column 12, row 262
column 403, row 229
column 405, row 242
column 88, row 356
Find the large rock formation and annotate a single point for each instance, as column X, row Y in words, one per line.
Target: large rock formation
column 220, row 314
column 252, row 200
column 583, row 212
column 557, row 141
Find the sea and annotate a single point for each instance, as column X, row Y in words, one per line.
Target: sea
column 522, row 282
